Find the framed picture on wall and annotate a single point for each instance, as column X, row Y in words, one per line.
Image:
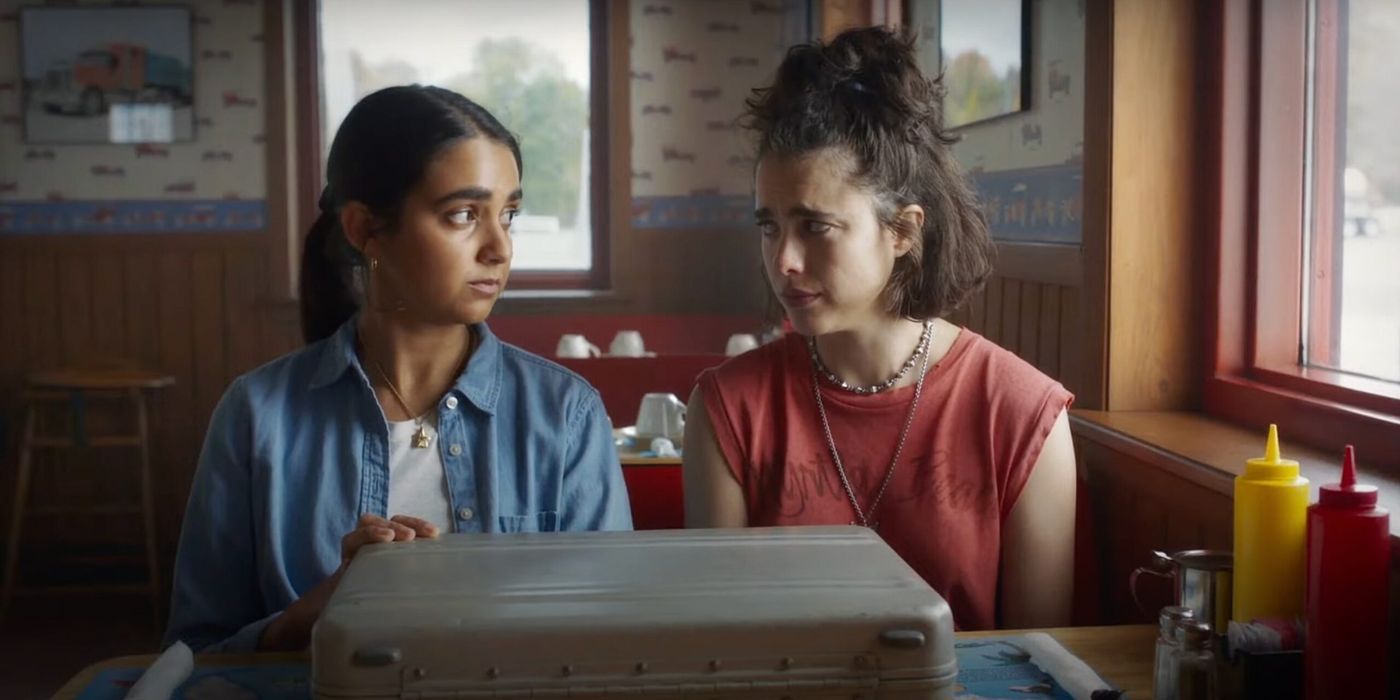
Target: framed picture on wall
column 983, row 49
column 107, row 74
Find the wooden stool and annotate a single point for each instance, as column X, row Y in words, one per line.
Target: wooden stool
column 76, row 387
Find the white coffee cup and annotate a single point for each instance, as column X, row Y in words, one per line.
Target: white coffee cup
column 627, row 344
column 740, row 343
column 574, row 345
column 661, row 415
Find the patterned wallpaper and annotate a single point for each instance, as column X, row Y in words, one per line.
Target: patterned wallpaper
column 1029, row 166
column 215, row 182
column 693, row 64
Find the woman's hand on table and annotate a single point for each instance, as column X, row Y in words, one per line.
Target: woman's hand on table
column 291, row 630
column 373, row 529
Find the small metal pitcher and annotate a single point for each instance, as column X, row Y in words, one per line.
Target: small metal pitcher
column 1202, row 578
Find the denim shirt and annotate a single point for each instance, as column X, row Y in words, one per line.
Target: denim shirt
column 298, row 449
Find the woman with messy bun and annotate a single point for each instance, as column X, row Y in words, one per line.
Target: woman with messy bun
column 878, row 412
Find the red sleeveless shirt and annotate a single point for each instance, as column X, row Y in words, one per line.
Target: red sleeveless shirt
column 978, row 430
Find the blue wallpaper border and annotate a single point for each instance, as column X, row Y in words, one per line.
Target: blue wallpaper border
column 132, row 216
column 1034, row 205
column 689, row 212
column 1030, row 205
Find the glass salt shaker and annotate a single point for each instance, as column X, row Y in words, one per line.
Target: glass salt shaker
column 1163, row 668
column 1195, row 662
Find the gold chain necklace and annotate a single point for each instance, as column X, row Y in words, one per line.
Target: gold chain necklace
column 421, row 438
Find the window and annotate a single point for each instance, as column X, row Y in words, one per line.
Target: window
column 1307, row 281
column 1353, row 236
column 538, row 71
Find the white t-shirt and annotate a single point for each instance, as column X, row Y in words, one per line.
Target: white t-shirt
column 417, row 483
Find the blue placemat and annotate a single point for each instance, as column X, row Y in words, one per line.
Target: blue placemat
column 285, row 682
column 998, row 667
column 989, row 667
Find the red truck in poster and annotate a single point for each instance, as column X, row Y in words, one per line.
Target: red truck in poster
column 113, row 73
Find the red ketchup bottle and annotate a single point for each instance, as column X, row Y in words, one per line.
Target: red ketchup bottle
column 1346, row 598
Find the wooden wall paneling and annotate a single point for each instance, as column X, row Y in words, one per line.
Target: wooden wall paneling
column 630, row 249
column 839, row 15
column 142, row 299
column 281, row 86
column 210, row 344
column 717, row 271
column 74, row 308
column 1075, row 362
column 1114, row 506
column 1118, row 535
column 244, row 273
column 279, row 331
column 189, row 307
column 1184, row 531
column 1153, row 331
column 1047, row 351
column 976, row 309
column 991, row 319
column 111, row 471
column 1028, row 339
column 175, row 442
column 741, row 274
column 13, row 359
column 13, row 349
column 959, row 316
column 1138, row 508
column 1218, row 531
column 288, row 336
column 1045, row 263
column 1148, row 527
column 41, row 300
column 1090, row 341
column 1010, row 314
column 108, row 308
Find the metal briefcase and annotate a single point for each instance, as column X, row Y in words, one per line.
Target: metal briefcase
column 780, row 613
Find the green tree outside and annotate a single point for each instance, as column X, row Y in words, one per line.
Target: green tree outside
column 524, row 86
column 976, row 92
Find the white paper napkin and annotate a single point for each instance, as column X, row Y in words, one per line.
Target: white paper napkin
column 1069, row 671
column 166, row 674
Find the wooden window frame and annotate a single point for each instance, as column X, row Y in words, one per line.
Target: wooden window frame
column 1256, row 122
column 309, row 143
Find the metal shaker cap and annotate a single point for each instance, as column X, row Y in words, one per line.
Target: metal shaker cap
column 1170, row 616
column 1195, row 635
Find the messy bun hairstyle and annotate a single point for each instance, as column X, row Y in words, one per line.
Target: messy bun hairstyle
column 864, row 95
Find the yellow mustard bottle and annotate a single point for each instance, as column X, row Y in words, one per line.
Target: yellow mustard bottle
column 1271, row 528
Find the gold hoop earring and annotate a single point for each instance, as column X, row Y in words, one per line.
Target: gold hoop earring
column 372, row 298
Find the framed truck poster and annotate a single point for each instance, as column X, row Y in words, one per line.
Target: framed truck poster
column 107, row 74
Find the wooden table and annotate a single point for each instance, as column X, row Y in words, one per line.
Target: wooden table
column 1121, row 655
column 636, row 460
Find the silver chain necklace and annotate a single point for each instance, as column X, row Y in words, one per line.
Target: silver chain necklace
column 862, row 516
column 830, row 376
